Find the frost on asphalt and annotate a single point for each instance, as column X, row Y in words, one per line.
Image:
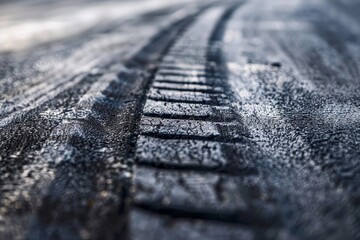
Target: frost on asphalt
column 157, row 119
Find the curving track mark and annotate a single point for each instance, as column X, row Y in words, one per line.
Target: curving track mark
column 182, row 168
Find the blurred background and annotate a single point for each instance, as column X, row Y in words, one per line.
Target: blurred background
column 27, row 23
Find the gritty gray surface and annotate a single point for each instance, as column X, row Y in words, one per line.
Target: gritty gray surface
column 180, row 119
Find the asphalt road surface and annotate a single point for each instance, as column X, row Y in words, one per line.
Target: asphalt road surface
column 180, row 119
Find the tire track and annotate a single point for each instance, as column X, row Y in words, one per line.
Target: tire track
column 192, row 137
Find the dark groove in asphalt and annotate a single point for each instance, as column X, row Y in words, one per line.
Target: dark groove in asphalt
column 211, row 91
column 170, row 100
column 206, row 118
column 210, row 138
column 240, row 217
column 221, row 169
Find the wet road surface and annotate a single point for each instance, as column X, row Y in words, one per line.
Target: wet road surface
column 180, row 119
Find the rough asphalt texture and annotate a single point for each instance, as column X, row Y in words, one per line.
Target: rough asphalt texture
column 180, row 119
